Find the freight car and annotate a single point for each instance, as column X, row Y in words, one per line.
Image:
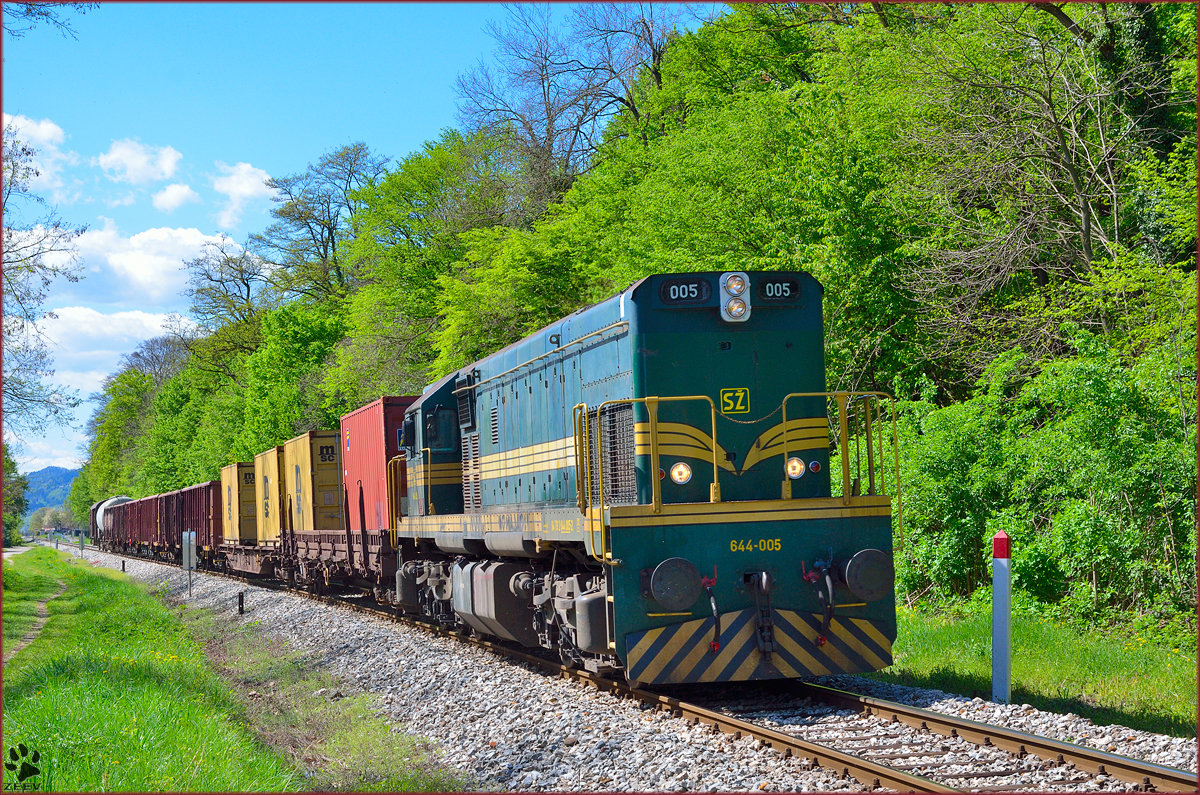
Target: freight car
column 575, row 491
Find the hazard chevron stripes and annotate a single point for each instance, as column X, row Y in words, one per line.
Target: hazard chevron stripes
column 682, row 652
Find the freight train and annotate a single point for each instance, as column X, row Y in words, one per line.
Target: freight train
column 658, row 484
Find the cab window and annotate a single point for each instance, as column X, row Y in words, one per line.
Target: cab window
column 443, row 427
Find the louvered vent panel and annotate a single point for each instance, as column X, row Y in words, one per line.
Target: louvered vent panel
column 476, row 474
column 472, row 482
column 495, row 426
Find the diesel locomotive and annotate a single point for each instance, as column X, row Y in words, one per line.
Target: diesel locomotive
column 658, row 484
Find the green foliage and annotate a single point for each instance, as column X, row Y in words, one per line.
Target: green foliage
column 1086, row 462
column 409, row 224
column 514, row 283
column 15, row 504
column 282, row 376
column 114, row 460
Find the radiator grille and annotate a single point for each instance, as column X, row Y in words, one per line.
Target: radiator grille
column 611, row 446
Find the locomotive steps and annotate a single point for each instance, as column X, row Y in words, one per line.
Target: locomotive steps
column 512, row 727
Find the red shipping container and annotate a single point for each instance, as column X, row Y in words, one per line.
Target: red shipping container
column 372, row 436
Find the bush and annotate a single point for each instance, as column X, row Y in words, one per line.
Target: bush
column 1086, row 462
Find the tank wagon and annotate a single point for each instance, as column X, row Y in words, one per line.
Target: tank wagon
column 658, row 484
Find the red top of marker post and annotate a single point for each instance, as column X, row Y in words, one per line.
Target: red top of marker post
column 1001, row 545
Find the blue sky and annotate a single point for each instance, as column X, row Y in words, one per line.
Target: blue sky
column 158, row 124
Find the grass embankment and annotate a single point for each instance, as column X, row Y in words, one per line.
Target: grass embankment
column 24, row 587
column 1107, row 678
column 117, row 693
column 293, row 705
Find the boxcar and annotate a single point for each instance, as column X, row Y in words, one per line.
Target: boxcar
column 200, row 512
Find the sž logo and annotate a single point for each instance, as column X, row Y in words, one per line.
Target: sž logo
column 735, row 401
column 24, row 763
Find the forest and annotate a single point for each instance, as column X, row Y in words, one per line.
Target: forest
column 1000, row 201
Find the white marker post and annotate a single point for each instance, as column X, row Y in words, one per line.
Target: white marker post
column 1001, row 619
column 189, row 556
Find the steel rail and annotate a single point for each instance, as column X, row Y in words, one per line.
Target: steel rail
column 1146, row 775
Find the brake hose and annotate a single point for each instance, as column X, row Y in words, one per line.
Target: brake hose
column 715, row 644
column 827, row 606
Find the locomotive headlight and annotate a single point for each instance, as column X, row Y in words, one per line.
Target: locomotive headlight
column 735, row 297
column 795, row 468
column 681, row 473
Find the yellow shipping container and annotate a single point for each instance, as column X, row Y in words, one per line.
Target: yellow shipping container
column 268, row 494
column 312, row 469
column 238, row 520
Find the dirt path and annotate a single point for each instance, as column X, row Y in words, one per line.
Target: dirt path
column 43, row 615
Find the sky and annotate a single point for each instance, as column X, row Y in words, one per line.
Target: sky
column 158, row 124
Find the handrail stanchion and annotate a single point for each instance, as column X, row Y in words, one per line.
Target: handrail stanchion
column 714, row 492
column 655, row 465
column 843, row 443
column 578, row 437
column 870, row 449
column 786, row 490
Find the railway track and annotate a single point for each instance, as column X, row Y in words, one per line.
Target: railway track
column 893, row 746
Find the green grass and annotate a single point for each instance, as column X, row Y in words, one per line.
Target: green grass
column 122, row 692
column 116, row 695
column 342, row 744
column 23, row 589
column 1108, row 678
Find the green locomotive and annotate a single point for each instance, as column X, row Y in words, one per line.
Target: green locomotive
column 660, row 484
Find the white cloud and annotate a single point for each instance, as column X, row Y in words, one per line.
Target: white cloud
column 241, row 183
column 87, row 344
column 152, row 260
column 46, row 137
column 58, row 447
column 76, row 330
column 137, row 163
column 38, row 133
column 174, row 196
column 121, row 201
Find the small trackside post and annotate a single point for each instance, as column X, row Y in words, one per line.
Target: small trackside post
column 1001, row 618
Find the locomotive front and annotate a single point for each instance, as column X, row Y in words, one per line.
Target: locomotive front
column 660, row 483
column 744, row 551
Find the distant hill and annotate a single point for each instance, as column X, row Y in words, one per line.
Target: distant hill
column 49, row 487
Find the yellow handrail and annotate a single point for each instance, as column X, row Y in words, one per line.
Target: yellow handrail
column 843, row 400
column 582, row 428
column 395, row 511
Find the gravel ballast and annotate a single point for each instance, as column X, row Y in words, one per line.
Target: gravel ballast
column 510, row 727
